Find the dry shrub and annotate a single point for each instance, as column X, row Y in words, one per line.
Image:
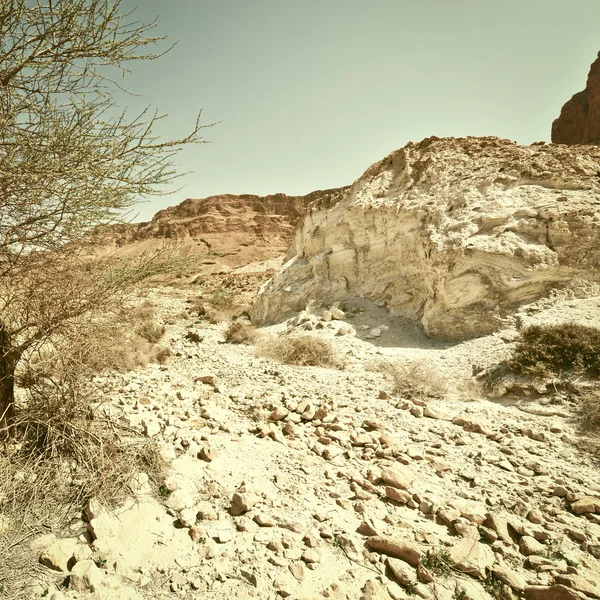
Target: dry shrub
column 552, row 350
column 304, row 350
column 239, row 332
column 589, row 409
column 121, row 342
column 65, row 450
column 214, row 306
column 414, row 380
column 589, row 420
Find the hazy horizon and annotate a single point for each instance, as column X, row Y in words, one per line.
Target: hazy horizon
column 309, row 94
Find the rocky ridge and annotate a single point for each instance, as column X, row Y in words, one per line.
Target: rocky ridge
column 231, row 230
column 579, row 120
column 309, row 483
column 454, row 234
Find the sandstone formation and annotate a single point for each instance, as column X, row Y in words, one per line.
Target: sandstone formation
column 579, row 120
column 232, row 230
column 453, row 233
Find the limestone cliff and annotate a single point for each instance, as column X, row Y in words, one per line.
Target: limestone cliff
column 453, row 233
column 579, row 120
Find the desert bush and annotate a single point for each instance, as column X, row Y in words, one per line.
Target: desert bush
column 143, row 318
column 239, row 332
column 214, row 306
column 67, row 451
column 161, row 354
column 589, row 410
column 552, row 350
column 304, row 350
column 194, row 337
column 151, row 332
column 414, row 380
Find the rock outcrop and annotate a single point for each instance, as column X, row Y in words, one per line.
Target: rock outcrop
column 453, row 233
column 234, row 230
column 579, row 120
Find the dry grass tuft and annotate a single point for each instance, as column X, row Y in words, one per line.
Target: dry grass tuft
column 239, row 332
column 119, row 342
column 303, row 350
column 414, row 380
column 589, row 421
column 589, row 410
column 65, row 450
column 215, row 306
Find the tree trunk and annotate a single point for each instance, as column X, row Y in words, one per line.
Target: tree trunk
column 8, row 362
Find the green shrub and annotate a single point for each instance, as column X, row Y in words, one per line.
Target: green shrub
column 551, row 350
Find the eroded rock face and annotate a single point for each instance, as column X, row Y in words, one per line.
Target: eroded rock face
column 579, row 120
column 235, row 229
column 454, row 233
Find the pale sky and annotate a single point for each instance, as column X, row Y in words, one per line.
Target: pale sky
column 311, row 92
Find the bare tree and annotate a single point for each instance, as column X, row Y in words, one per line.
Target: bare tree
column 69, row 161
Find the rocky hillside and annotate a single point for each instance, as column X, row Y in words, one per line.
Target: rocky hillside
column 454, row 234
column 579, row 120
column 231, row 230
column 311, row 483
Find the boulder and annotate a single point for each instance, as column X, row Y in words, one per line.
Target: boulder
column 455, row 234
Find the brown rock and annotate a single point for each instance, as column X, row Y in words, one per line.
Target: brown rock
column 580, row 583
column 554, row 592
column 579, row 120
column 587, row 504
column 242, row 502
column 388, row 544
column 397, row 495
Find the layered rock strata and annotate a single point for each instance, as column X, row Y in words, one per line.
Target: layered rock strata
column 579, row 120
column 453, row 233
column 233, row 229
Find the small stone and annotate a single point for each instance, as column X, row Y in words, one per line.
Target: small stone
column 208, row 454
column 224, row 536
column 554, row 592
column 264, row 520
column 535, row 516
column 187, row 517
column 197, row 534
column 59, row 555
column 337, row 314
column 401, row 496
column 402, row 571
column 311, row 556
column 179, row 500
column 279, row 413
column 242, row 502
column 205, row 511
column 297, row 570
column 85, row 577
column 511, row 578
